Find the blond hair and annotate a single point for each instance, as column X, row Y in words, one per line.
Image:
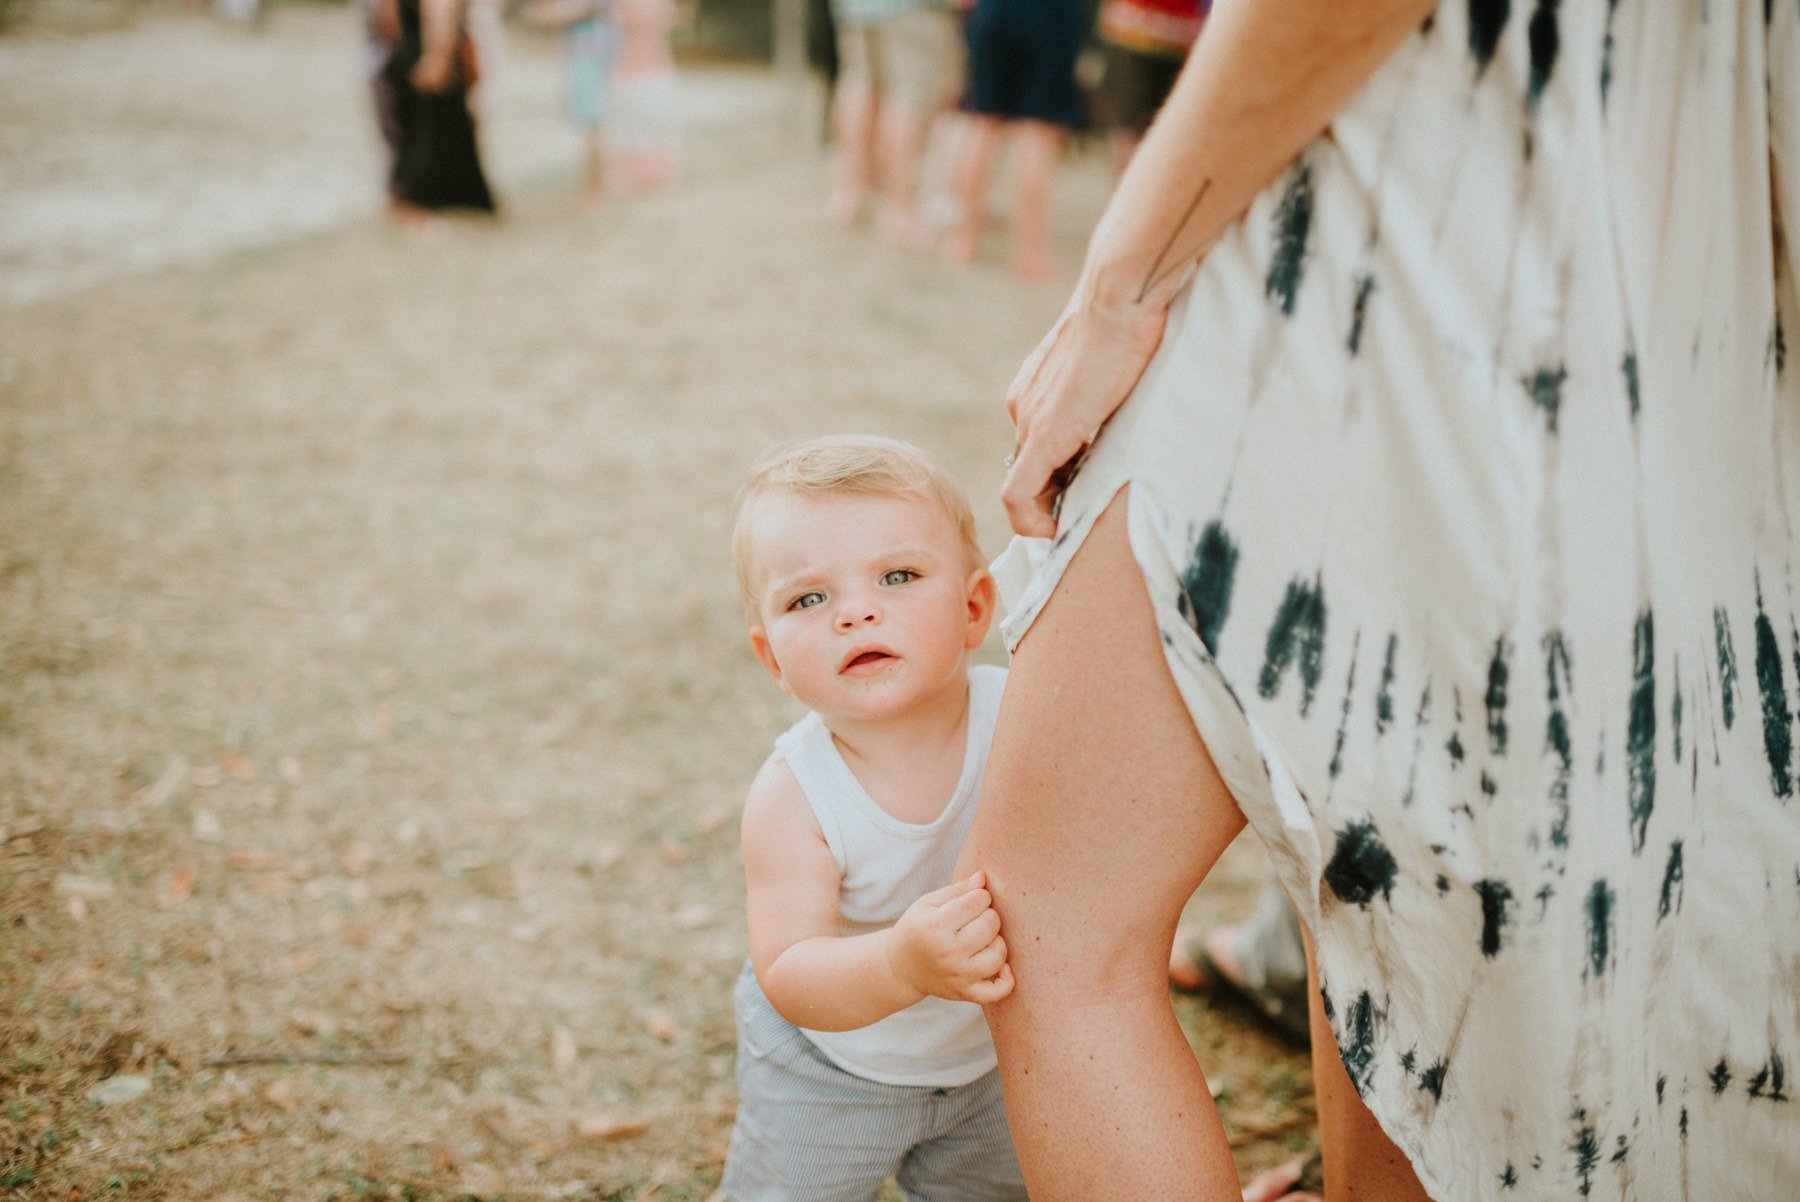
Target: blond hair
column 863, row 464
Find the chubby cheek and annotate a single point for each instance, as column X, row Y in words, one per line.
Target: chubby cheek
column 799, row 655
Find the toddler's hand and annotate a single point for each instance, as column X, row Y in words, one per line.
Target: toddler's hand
column 948, row 945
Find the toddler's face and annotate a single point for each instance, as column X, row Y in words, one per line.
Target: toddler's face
column 864, row 604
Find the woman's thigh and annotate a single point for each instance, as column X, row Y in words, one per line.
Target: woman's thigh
column 1101, row 809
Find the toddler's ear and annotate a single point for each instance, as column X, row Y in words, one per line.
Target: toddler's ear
column 765, row 654
column 983, row 596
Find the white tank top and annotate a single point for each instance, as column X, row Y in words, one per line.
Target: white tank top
column 884, row 865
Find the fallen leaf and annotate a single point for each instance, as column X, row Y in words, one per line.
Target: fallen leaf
column 255, row 858
column 661, row 1026
column 563, row 1053
column 158, row 794
column 88, row 888
column 228, row 1092
column 82, row 974
column 236, row 765
column 280, row 1092
column 277, row 885
column 605, row 857
column 692, row 918
column 24, row 828
column 603, row 1127
column 312, row 1022
column 486, row 878
column 181, row 885
column 674, row 851
column 117, row 1091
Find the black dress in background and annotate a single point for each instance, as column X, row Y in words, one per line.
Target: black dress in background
column 437, row 164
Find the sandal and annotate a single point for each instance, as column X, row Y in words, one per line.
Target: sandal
column 1285, row 1016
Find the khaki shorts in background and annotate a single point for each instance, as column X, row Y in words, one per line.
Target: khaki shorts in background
column 915, row 60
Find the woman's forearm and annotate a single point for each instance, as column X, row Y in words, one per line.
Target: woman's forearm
column 1264, row 79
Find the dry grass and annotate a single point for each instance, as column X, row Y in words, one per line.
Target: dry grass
column 373, row 703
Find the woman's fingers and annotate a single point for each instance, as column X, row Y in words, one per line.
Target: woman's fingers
column 1063, row 394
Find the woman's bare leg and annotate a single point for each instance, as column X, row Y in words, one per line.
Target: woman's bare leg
column 1361, row 1163
column 1100, row 813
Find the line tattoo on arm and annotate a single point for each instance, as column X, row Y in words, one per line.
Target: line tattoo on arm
column 1158, row 272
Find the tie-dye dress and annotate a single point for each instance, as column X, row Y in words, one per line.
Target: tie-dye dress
column 1466, row 485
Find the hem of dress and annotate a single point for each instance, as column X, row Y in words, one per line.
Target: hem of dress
column 1248, row 760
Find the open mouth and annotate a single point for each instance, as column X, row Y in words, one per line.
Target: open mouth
column 867, row 660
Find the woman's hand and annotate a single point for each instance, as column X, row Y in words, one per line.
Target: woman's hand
column 1066, row 389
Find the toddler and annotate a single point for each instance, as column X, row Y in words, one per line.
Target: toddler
column 646, row 133
column 862, row 1049
column 590, row 42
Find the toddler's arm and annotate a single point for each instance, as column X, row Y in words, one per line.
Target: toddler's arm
column 947, row 944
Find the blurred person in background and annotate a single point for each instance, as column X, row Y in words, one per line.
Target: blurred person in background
column 1145, row 43
column 646, row 123
column 1021, row 81
column 900, row 63
column 590, row 37
column 430, row 68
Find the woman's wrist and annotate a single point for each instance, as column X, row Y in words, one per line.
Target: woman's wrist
column 1124, row 291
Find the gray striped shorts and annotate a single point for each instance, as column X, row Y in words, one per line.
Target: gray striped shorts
column 807, row 1131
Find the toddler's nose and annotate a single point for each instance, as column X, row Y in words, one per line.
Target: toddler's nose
column 858, row 613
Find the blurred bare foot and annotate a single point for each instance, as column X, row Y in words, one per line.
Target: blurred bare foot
column 959, row 247
column 1273, row 1185
column 1188, row 970
column 904, row 229
column 842, row 207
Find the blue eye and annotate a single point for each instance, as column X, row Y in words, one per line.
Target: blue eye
column 900, row 576
column 807, row 600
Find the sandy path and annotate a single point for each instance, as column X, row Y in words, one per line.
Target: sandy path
column 179, row 138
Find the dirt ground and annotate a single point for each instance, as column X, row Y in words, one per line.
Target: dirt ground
column 374, row 702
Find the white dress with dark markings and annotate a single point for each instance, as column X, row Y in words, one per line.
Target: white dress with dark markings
column 1466, row 485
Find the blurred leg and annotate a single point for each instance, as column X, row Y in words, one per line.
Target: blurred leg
column 593, row 170
column 902, row 143
column 1100, row 813
column 853, row 128
column 975, row 157
column 1037, row 146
